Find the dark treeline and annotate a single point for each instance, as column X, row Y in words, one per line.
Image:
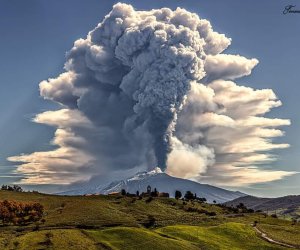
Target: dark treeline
column 14, row 188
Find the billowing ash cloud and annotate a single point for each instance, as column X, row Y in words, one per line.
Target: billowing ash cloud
column 152, row 88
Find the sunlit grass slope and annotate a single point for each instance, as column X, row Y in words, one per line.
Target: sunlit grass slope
column 227, row 236
column 116, row 222
column 59, row 239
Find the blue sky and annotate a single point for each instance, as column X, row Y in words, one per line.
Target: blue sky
column 35, row 36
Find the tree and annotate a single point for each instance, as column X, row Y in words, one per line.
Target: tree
column 137, row 193
column 202, row 199
column 189, row 195
column 123, row 192
column 241, row 206
column 178, row 194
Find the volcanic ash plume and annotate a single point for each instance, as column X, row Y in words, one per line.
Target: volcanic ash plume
column 152, row 88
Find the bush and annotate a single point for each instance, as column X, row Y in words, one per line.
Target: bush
column 151, row 221
column 202, row 211
column 191, row 209
column 48, row 241
column 19, row 213
column 149, row 199
column 211, row 214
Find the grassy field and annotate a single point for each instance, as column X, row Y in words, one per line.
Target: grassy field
column 61, row 239
column 283, row 233
column 116, row 222
column 137, row 238
column 227, row 236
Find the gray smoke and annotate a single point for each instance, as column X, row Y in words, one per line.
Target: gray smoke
column 138, row 66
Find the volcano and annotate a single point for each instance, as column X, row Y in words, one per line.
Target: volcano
column 163, row 183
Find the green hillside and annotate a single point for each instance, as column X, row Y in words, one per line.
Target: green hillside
column 117, row 222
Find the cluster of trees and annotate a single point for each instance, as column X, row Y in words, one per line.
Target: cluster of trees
column 155, row 193
column 189, row 196
column 20, row 213
column 238, row 209
column 14, row 188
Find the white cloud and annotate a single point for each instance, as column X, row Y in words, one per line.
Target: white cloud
column 224, row 66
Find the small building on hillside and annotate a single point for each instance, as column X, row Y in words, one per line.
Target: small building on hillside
column 114, row 194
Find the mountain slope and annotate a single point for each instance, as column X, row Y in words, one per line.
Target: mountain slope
column 287, row 205
column 163, row 183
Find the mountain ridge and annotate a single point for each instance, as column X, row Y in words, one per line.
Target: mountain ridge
column 163, row 183
column 286, row 205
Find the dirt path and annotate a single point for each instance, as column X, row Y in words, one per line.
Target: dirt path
column 267, row 238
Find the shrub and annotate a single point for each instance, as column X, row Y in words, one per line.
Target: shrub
column 48, row 241
column 202, row 211
column 191, row 209
column 149, row 199
column 151, row 221
column 211, row 214
column 36, row 227
column 18, row 213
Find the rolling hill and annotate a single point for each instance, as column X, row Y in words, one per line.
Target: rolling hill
column 119, row 222
column 283, row 206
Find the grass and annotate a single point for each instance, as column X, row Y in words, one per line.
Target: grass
column 289, row 234
column 227, row 236
column 109, row 211
column 116, row 222
column 53, row 239
column 137, row 238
